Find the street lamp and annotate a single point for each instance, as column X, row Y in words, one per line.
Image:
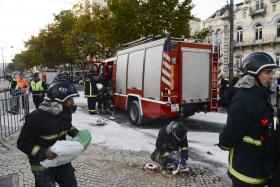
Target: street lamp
column 3, row 61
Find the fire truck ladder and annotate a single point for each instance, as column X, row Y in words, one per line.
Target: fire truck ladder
column 214, row 82
column 141, row 41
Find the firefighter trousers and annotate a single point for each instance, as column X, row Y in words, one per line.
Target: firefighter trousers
column 37, row 100
column 64, row 175
column 92, row 104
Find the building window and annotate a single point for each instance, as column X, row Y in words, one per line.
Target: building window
column 259, row 4
column 239, row 34
column 274, row 8
column 238, row 62
column 244, row 14
column 258, row 32
column 278, row 29
column 277, row 59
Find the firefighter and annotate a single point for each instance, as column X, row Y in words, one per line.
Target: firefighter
column 273, row 161
column 38, row 88
column 43, row 127
column 250, row 122
column 15, row 92
column 103, row 95
column 171, row 140
column 91, row 91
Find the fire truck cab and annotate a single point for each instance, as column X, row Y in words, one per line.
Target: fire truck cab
column 166, row 77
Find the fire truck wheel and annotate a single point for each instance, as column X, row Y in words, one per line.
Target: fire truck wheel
column 134, row 113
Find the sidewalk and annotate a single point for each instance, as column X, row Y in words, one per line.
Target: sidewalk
column 100, row 166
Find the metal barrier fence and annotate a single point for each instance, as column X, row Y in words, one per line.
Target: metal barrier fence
column 14, row 106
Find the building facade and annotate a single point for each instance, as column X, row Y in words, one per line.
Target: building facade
column 219, row 23
column 256, row 28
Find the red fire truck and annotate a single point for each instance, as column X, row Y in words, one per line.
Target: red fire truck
column 165, row 78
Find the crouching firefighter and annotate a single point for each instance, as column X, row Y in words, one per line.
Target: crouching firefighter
column 172, row 147
column 51, row 122
column 91, row 92
column 249, row 126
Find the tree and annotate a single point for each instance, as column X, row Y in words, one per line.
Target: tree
column 205, row 32
column 166, row 16
column 99, row 31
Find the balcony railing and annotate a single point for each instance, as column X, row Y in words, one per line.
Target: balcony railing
column 266, row 39
column 258, row 9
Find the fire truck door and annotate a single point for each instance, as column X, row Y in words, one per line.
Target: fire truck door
column 195, row 75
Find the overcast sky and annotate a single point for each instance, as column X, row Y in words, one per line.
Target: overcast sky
column 20, row 19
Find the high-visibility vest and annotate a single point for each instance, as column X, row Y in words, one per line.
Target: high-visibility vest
column 37, row 86
column 22, row 84
column 10, row 85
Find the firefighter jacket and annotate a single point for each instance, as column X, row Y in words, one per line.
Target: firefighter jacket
column 273, row 159
column 90, row 87
column 249, row 123
column 42, row 128
column 166, row 144
column 37, row 87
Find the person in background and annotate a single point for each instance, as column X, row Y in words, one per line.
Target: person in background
column 22, row 84
column 223, row 89
column 172, row 147
column 103, row 95
column 249, row 125
column 38, row 88
column 15, row 92
column 230, row 91
column 91, row 91
column 43, row 128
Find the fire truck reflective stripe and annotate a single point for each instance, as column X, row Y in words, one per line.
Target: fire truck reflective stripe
column 165, row 64
column 54, row 136
column 169, row 93
column 184, row 148
column 250, row 140
column 154, row 101
column 242, row 177
column 166, row 56
column 35, row 150
column 166, row 73
column 165, row 81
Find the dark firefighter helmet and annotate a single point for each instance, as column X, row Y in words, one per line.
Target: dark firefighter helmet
column 61, row 90
column 256, row 62
column 177, row 130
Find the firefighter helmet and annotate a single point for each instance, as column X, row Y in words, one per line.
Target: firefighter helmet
column 61, row 90
column 256, row 62
column 177, row 130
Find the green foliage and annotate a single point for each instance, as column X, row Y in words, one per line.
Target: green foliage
column 99, row 31
column 203, row 33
